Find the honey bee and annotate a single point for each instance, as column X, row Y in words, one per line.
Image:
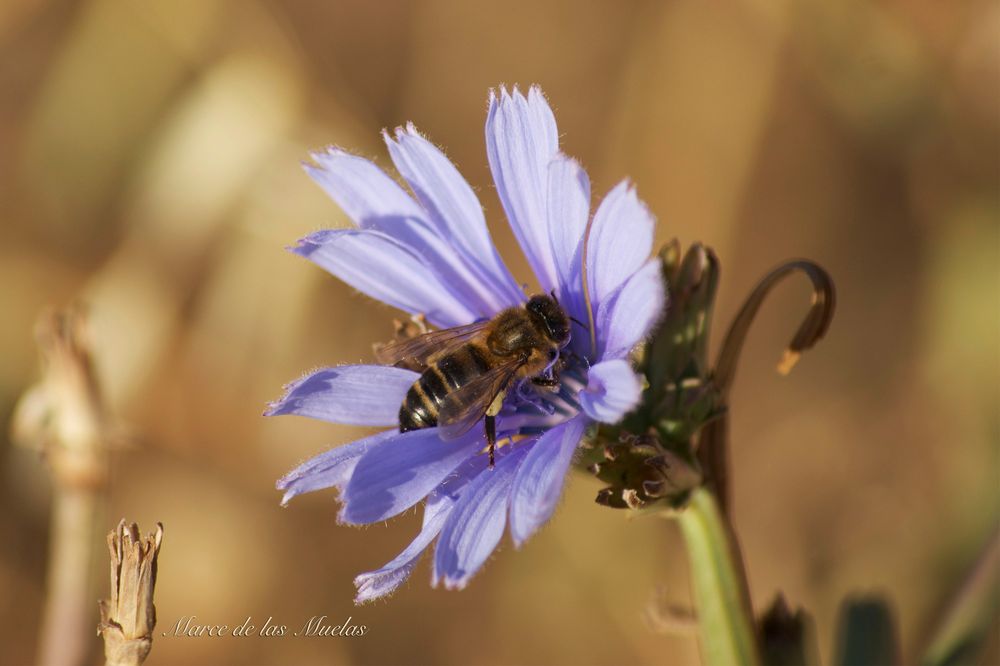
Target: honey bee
column 466, row 371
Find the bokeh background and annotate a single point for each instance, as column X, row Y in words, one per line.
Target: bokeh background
column 149, row 166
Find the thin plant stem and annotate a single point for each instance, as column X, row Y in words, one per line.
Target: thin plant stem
column 726, row 630
column 69, row 614
column 63, row 418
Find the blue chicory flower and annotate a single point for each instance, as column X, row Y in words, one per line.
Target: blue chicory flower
column 431, row 254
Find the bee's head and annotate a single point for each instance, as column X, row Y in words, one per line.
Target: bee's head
column 545, row 310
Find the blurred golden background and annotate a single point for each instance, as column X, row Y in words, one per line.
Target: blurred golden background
column 149, row 166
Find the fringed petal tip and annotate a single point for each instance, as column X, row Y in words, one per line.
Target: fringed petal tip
column 453, row 584
column 321, row 160
column 504, row 94
column 330, row 469
column 327, row 152
column 275, row 407
column 384, row 581
column 381, row 584
column 449, row 582
column 367, row 395
column 514, row 90
column 309, row 243
column 400, row 132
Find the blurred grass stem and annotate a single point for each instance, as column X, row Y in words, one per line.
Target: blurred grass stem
column 69, row 601
column 970, row 614
column 62, row 416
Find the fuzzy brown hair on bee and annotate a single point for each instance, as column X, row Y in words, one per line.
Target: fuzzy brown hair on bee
column 467, row 370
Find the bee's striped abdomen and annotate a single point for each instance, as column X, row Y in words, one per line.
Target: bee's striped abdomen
column 449, row 373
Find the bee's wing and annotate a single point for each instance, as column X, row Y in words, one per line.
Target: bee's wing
column 421, row 348
column 464, row 407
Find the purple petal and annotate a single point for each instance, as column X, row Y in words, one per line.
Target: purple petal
column 331, row 469
column 375, row 202
column 476, row 523
column 353, row 394
column 521, row 141
column 453, row 208
column 385, row 269
column 630, row 315
column 567, row 213
column 383, row 581
column 613, row 390
column 621, row 239
column 540, row 479
column 399, row 472
column 365, row 192
column 440, row 502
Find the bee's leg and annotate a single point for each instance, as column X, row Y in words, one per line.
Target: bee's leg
column 491, row 424
column 491, row 437
column 551, row 380
column 551, row 376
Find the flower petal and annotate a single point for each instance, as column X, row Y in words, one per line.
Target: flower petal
column 540, row 479
column 366, row 193
column 476, row 524
column 331, row 469
column 453, row 208
column 383, row 581
column 621, row 239
column 353, row 394
column 629, row 315
column 521, row 140
column 613, row 390
column 401, row 471
column 375, row 202
column 385, row 269
column 440, row 502
column 568, row 208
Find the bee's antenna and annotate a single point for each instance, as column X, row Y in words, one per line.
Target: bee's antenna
column 578, row 322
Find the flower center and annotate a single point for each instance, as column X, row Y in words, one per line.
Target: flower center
column 531, row 409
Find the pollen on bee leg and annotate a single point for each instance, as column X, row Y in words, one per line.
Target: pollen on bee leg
column 501, row 442
column 491, row 424
column 411, row 328
column 415, row 326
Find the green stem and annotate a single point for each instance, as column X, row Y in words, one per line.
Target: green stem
column 726, row 627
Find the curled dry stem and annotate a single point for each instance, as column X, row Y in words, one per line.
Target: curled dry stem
column 713, row 439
